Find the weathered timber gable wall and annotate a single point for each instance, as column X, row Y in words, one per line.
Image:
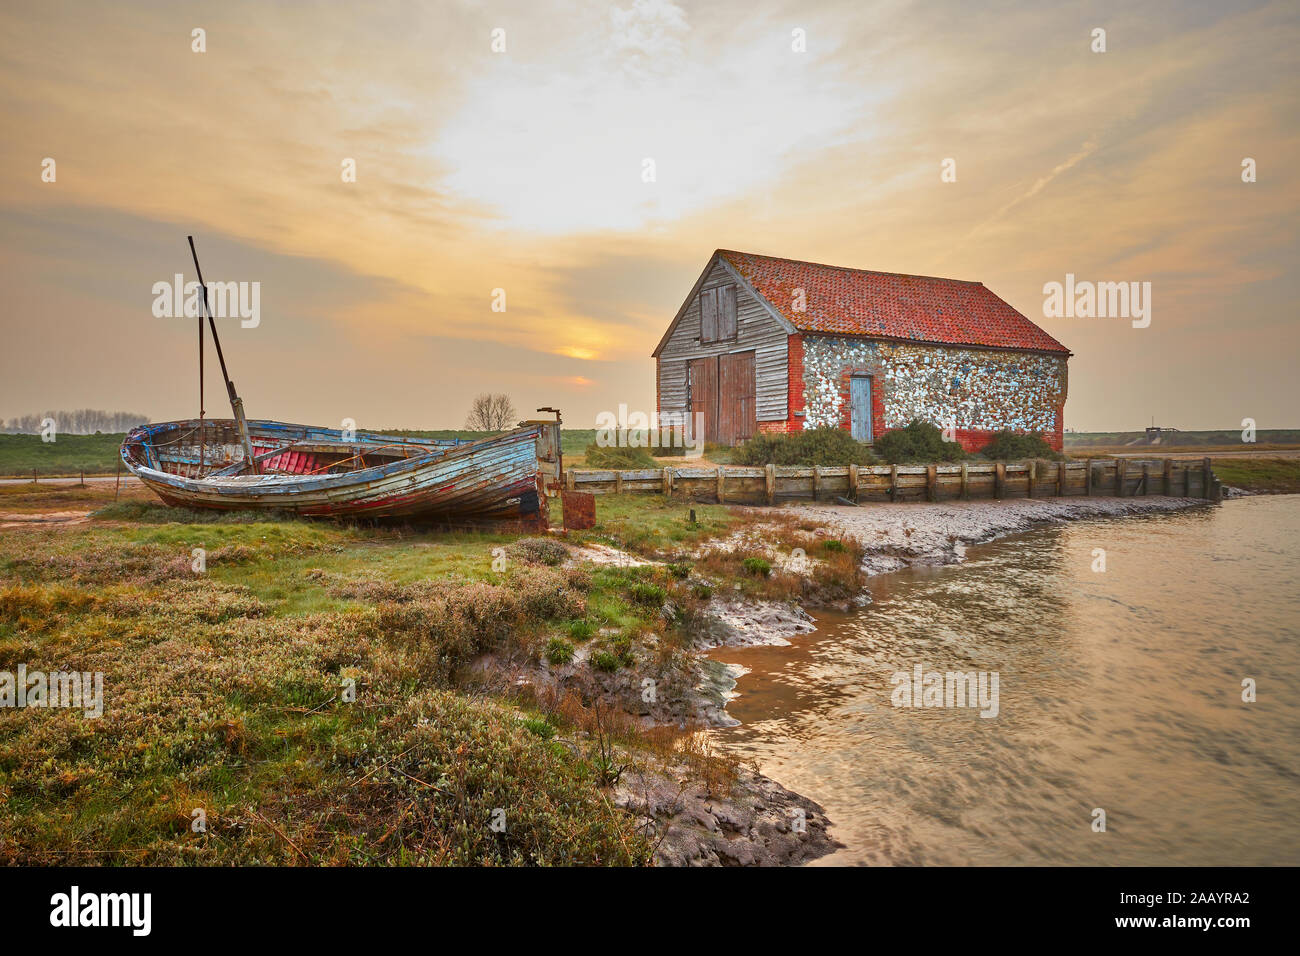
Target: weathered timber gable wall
column 755, row 330
column 864, row 483
column 977, row 391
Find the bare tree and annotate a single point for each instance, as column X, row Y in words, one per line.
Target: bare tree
column 491, row 413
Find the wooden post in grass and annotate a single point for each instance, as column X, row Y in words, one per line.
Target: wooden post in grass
column 853, row 482
column 618, row 482
column 893, row 482
column 817, row 480
column 117, row 481
column 931, row 482
column 1120, row 468
column 570, row 479
column 34, row 476
column 1087, row 480
column 722, row 485
column 770, row 481
column 668, row 482
column 965, row 480
column 999, row 479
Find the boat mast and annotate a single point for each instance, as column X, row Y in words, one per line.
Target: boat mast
column 236, row 403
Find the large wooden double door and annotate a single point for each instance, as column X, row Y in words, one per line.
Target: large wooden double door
column 722, row 390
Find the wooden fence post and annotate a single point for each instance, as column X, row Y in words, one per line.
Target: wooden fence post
column 570, row 479
column 853, row 482
column 722, row 482
column 667, row 478
column 1087, row 480
column 931, row 482
column 893, row 482
column 965, row 481
column 817, row 480
column 1032, row 478
column 1120, row 468
column 771, row 484
column 999, row 479
column 1146, row 478
column 618, row 482
column 1060, row 479
column 1169, row 477
column 1206, row 476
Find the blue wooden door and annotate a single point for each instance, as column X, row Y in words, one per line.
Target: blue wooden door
column 860, row 407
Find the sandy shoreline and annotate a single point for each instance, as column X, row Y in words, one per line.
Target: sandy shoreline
column 897, row 536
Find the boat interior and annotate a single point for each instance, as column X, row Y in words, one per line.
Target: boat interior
column 213, row 448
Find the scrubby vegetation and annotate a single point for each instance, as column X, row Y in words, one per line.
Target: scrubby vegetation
column 917, row 442
column 622, row 458
column 817, row 446
column 1007, row 445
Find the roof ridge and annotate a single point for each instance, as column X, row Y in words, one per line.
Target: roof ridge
column 827, row 265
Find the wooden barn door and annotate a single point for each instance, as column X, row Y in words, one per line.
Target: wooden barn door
column 703, row 383
column 737, row 411
column 722, row 390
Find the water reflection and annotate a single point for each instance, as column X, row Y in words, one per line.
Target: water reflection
column 1119, row 690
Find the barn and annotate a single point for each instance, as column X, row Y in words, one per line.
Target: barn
column 763, row 344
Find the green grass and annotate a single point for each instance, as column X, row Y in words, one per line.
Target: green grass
column 66, row 455
column 1276, row 475
column 1215, row 437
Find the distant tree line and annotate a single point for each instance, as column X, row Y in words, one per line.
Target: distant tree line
column 78, row 421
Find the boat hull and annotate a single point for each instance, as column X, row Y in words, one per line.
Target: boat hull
column 497, row 478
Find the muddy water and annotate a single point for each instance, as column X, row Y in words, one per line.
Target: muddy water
column 1118, row 690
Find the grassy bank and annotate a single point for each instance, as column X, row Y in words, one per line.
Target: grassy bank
column 230, row 691
column 1262, row 475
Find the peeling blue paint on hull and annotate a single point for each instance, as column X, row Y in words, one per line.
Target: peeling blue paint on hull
column 318, row 471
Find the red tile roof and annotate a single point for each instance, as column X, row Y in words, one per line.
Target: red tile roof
column 889, row 305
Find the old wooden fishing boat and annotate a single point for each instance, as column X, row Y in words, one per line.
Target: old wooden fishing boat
column 235, row 464
column 322, row 471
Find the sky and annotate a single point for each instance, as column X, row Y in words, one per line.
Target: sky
column 585, row 159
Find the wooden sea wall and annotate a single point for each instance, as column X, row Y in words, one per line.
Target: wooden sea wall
column 1110, row 477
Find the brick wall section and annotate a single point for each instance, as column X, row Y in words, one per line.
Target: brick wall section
column 979, row 391
column 795, row 399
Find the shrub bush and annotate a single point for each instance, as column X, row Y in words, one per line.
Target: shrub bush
column 619, row 458
column 604, row 661
column 1007, row 445
column 559, row 651
column 758, row 567
column 538, row 551
column 650, row 595
column 917, row 442
column 581, row 630
column 817, row 446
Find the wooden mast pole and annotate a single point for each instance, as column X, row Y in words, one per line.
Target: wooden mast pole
column 236, row 403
